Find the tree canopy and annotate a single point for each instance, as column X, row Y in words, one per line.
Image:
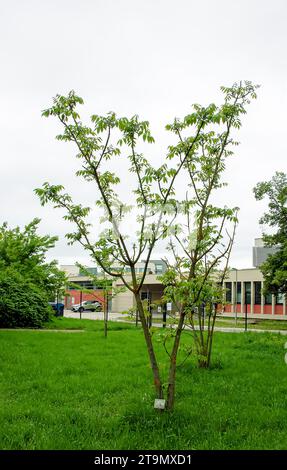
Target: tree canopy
column 25, row 252
column 274, row 269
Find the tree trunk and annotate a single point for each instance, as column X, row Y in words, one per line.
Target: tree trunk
column 151, row 353
column 203, row 362
column 203, row 356
column 172, row 367
column 211, row 339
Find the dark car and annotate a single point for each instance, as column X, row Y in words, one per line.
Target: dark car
column 58, row 307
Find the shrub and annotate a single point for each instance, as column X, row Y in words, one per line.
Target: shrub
column 22, row 303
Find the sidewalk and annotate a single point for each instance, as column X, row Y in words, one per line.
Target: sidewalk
column 94, row 315
column 242, row 330
column 123, row 318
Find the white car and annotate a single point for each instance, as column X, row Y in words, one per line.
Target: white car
column 92, row 305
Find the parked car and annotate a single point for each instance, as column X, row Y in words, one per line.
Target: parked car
column 58, row 307
column 92, row 305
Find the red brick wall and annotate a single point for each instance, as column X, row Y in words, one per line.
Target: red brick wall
column 227, row 308
column 256, row 309
column 76, row 295
column 278, row 309
column 267, row 309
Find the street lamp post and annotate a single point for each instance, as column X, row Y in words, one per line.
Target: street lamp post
column 81, row 301
column 235, row 296
column 164, row 315
column 245, row 301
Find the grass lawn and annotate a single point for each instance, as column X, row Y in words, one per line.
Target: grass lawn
column 252, row 324
column 60, row 390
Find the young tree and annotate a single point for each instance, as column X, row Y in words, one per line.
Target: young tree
column 201, row 246
column 194, row 280
column 108, row 290
column 153, row 192
column 274, row 269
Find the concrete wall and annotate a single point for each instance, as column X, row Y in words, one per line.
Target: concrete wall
column 124, row 300
column 260, row 254
column 70, row 269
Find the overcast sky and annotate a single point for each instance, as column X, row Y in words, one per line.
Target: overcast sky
column 150, row 57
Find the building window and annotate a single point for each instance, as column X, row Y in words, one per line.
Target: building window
column 279, row 299
column 116, row 269
column 228, row 293
column 238, row 293
column 146, row 296
column 268, row 299
column 82, row 284
column 93, row 271
column 257, row 293
column 158, row 268
column 247, row 286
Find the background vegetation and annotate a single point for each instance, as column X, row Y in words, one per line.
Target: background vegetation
column 27, row 281
column 22, row 303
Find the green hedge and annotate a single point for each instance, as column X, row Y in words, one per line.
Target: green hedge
column 22, row 304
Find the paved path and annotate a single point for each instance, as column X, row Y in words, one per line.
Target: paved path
column 94, row 315
column 123, row 318
column 242, row 330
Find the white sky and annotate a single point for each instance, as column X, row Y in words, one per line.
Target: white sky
column 154, row 58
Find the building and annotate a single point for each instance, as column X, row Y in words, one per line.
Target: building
column 243, row 289
column 79, row 282
column 244, row 294
column 152, row 289
column 261, row 252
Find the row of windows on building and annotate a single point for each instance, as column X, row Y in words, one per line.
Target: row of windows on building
column 247, row 297
column 154, row 269
column 85, row 285
column 92, row 286
column 158, row 269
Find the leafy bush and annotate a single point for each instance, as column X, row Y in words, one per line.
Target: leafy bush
column 22, row 303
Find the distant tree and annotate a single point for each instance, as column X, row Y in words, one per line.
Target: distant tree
column 25, row 251
column 274, row 269
column 22, row 303
column 152, row 189
column 103, row 283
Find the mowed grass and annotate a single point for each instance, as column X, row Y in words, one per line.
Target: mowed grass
column 252, row 324
column 65, row 323
column 61, row 390
column 227, row 322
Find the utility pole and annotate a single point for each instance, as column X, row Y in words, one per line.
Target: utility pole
column 81, row 301
column 164, row 315
column 245, row 301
